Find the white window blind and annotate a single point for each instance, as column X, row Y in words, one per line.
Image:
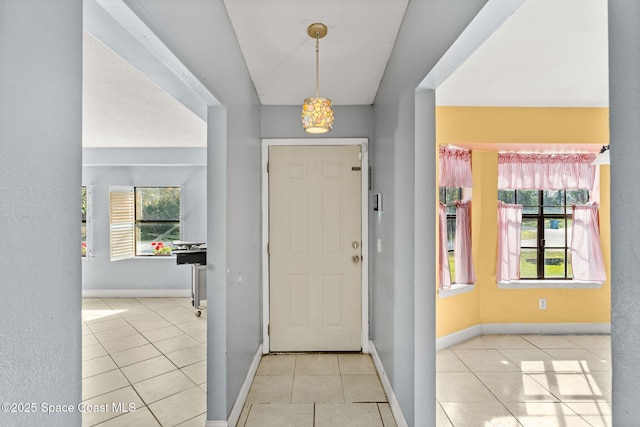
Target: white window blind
column 121, row 222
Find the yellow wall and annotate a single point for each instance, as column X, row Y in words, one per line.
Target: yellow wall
column 486, row 130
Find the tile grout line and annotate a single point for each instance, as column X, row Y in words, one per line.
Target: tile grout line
column 130, row 383
column 545, row 372
column 161, row 352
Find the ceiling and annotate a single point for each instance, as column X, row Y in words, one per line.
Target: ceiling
column 123, row 108
column 548, row 53
column 281, row 57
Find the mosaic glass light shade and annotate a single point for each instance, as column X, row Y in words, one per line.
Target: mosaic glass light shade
column 317, row 115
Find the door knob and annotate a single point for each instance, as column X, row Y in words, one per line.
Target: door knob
column 355, row 259
column 355, row 244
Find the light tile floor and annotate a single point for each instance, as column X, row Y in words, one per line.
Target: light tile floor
column 149, row 353
column 316, row 390
column 525, row 381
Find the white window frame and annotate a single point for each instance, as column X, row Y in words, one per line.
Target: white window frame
column 122, row 223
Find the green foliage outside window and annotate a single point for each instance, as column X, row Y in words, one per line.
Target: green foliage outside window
column 449, row 196
column 157, row 219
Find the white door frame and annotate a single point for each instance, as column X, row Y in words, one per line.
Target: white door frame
column 364, row 143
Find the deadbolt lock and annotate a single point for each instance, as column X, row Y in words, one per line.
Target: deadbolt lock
column 355, row 244
column 355, row 259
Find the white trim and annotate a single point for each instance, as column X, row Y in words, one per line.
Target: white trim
column 458, row 337
column 554, row 284
column 386, row 384
column 456, row 289
column 521, row 329
column 236, row 411
column 546, row 328
column 136, row 293
column 364, row 143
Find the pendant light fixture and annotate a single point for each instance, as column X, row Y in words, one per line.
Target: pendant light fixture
column 317, row 113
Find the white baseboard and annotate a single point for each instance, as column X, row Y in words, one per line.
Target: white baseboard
column 521, row 328
column 234, row 416
column 546, row 328
column 386, row 384
column 136, row 293
column 458, row 337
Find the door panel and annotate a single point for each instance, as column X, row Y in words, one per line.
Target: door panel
column 315, row 286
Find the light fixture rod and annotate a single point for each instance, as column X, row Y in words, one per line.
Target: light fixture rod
column 317, row 64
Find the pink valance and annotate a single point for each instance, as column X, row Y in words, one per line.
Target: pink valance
column 455, row 167
column 546, row 171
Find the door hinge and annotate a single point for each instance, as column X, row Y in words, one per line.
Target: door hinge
column 267, row 167
column 269, row 329
column 268, row 249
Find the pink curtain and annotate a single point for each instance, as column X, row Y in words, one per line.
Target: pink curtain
column 586, row 251
column 509, row 226
column 546, row 171
column 462, row 252
column 443, row 256
column 455, row 167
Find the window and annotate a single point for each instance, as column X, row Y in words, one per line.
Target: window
column 546, row 230
column 84, row 221
column 448, row 197
column 144, row 220
column 157, row 220
column 86, row 248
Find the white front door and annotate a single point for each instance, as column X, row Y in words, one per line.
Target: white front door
column 315, row 240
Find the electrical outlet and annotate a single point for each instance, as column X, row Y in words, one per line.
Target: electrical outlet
column 542, row 304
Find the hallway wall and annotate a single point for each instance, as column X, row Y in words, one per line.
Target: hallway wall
column 624, row 110
column 40, row 176
column 233, row 188
column 351, row 121
column 428, row 29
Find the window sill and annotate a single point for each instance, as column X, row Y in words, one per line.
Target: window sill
column 173, row 257
column 456, row 289
column 542, row 284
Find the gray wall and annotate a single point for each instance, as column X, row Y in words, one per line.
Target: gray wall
column 40, row 155
column 104, row 167
column 428, row 29
column 624, row 110
column 234, row 185
column 351, row 121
